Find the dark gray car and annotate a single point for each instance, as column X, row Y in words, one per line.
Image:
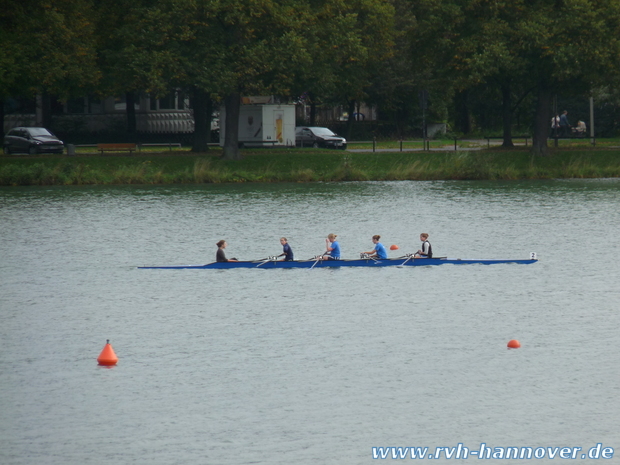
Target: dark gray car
column 309, row 136
column 32, row 141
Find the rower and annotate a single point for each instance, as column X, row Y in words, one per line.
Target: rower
column 379, row 250
column 332, row 248
column 287, row 252
column 426, row 251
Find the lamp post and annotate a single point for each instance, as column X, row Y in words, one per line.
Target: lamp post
column 592, row 120
column 423, row 96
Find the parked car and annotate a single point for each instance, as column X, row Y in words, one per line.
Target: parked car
column 32, row 141
column 307, row 136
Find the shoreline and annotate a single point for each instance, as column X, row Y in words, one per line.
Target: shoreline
column 306, row 165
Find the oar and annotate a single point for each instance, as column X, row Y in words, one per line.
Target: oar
column 411, row 256
column 265, row 260
column 365, row 256
column 318, row 259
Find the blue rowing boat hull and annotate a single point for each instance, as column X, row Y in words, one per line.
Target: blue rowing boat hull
column 370, row 263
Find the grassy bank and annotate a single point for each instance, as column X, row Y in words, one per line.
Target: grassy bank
column 296, row 165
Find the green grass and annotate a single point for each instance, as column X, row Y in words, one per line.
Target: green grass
column 307, row 165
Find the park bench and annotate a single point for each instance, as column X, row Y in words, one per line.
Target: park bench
column 116, row 148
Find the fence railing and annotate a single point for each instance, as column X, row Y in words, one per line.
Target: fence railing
column 426, row 143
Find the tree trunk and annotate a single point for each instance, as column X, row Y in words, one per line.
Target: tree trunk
column 232, row 103
column 46, row 110
column 202, row 106
column 542, row 118
column 312, row 113
column 130, row 110
column 507, row 115
column 463, row 120
column 2, row 115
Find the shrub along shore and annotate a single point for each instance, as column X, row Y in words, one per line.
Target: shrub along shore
column 305, row 165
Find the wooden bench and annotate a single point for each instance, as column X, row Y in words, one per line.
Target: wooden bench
column 116, row 148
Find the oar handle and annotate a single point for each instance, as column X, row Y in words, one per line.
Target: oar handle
column 317, row 259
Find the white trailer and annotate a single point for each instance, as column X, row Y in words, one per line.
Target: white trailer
column 263, row 125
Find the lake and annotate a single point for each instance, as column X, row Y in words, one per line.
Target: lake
column 299, row 366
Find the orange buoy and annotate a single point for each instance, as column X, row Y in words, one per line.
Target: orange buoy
column 514, row 344
column 107, row 357
column 394, row 247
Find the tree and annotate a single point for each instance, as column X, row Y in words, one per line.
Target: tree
column 395, row 82
column 219, row 50
column 51, row 52
column 348, row 45
column 571, row 46
column 135, row 55
column 374, row 23
column 261, row 45
column 548, row 47
column 437, row 27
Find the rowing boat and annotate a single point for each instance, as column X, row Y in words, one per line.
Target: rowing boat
column 362, row 262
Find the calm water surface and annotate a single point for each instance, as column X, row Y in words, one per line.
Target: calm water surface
column 306, row 366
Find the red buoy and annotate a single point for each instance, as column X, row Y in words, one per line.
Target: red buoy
column 107, row 357
column 394, row 247
column 514, row 344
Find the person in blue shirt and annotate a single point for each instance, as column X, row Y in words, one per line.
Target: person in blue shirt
column 332, row 248
column 287, row 252
column 379, row 250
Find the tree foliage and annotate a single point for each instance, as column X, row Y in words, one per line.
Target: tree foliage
column 52, row 50
column 335, row 51
column 549, row 46
column 48, row 47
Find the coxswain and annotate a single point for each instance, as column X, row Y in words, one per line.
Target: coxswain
column 220, row 256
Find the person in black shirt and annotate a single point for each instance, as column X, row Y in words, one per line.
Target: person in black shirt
column 287, row 252
column 220, row 256
column 564, row 124
column 427, row 250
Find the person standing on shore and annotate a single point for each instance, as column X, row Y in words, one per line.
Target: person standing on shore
column 555, row 126
column 564, row 124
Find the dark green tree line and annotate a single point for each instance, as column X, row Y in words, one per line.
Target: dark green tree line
column 523, row 46
column 379, row 51
column 47, row 48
